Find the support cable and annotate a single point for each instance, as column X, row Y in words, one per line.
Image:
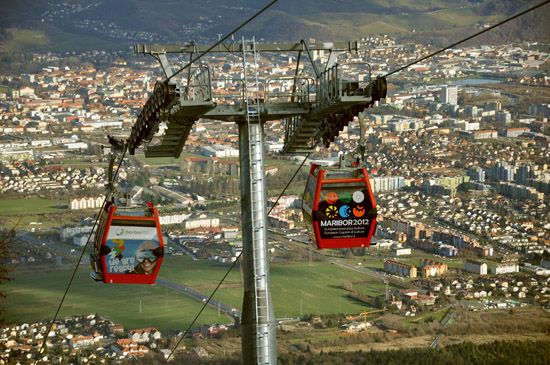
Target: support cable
column 233, row 264
column 290, row 181
column 224, row 38
column 467, row 38
column 42, row 348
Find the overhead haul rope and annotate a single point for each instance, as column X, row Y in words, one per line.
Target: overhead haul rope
column 81, row 255
column 200, row 56
column 300, row 167
column 116, row 174
column 234, row 262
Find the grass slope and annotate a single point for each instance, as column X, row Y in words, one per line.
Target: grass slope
column 19, row 40
column 35, row 296
column 315, row 289
column 31, row 206
column 431, row 20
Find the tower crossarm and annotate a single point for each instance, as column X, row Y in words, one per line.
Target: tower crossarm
column 237, row 47
column 316, row 107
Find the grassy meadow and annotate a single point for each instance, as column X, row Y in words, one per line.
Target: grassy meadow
column 34, row 296
column 296, row 288
column 29, row 206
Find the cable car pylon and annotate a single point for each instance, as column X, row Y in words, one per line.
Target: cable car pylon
column 316, row 109
column 258, row 322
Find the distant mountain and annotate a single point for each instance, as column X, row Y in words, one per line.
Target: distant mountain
column 77, row 25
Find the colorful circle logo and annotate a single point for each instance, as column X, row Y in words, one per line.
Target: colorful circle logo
column 331, row 211
column 331, row 197
column 359, row 211
column 345, row 197
column 358, row 197
column 344, row 211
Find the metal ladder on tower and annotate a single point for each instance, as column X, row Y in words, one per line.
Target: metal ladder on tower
column 258, row 201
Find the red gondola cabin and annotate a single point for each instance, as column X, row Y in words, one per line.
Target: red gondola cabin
column 129, row 248
column 339, row 207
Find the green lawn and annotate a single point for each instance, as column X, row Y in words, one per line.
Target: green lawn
column 35, row 296
column 164, row 161
column 426, row 316
column 31, row 206
column 370, row 288
column 316, row 288
column 417, row 255
column 81, row 164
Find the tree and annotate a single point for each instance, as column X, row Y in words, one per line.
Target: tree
column 6, row 239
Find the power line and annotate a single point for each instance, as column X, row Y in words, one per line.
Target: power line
column 290, row 181
column 79, row 259
column 116, row 173
column 233, row 264
column 299, row 168
column 467, row 38
column 224, row 38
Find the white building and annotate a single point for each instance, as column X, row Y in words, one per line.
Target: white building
column 476, row 267
column 287, row 201
column 387, row 183
column 449, row 95
column 69, row 232
column 202, row 223
column 173, row 218
column 77, row 146
column 86, row 203
column 80, row 240
column 219, row 151
column 505, row 268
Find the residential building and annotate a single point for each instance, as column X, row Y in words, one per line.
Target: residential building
column 382, row 184
column 503, row 117
column 431, row 268
column 449, row 95
column 476, row 267
column 400, row 268
column 505, row 268
column 476, row 173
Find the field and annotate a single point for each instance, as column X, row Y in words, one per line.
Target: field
column 295, row 289
column 31, row 206
column 27, row 212
column 35, row 296
column 19, row 40
column 164, row 161
column 159, row 161
column 417, row 255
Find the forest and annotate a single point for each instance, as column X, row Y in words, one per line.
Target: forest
column 499, row 352
column 493, row 353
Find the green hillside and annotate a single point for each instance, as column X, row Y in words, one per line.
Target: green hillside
column 43, row 25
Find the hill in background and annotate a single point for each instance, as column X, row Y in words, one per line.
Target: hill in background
column 78, row 25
